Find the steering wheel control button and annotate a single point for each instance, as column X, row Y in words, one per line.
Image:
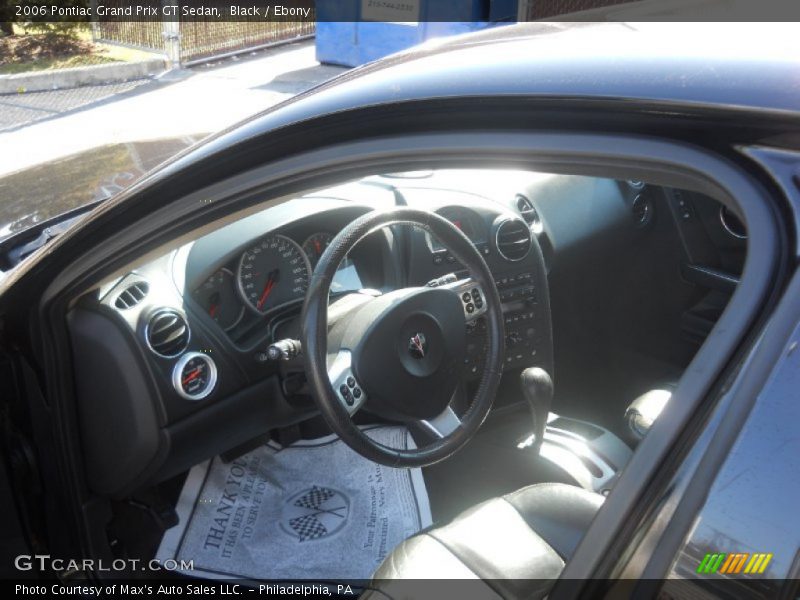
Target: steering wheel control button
column 194, row 376
column 346, row 395
column 344, row 382
column 471, row 296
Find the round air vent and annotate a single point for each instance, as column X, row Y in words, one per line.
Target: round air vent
column 167, row 333
column 529, row 213
column 732, row 224
column 132, row 295
column 513, row 239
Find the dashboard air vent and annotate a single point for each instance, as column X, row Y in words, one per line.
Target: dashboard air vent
column 132, row 295
column 167, row 333
column 529, row 213
column 513, row 239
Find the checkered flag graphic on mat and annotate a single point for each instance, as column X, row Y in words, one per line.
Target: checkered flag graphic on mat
column 308, row 527
column 314, row 497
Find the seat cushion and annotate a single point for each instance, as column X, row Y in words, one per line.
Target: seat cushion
column 516, row 544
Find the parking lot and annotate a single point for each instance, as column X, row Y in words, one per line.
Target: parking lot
column 21, row 110
column 44, row 126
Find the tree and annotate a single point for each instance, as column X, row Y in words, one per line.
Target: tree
column 64, row 25
column 6, row 18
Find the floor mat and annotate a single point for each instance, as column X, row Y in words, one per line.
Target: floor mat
column 313, row 510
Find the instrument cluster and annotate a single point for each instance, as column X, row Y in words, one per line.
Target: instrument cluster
column 271, row 273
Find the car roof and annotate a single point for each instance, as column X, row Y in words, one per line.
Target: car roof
column 747, row 67
column 743, row 70
column 744, row 65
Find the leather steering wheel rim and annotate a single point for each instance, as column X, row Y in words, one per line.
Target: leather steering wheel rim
column 315, row 336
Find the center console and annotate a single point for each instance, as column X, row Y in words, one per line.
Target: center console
column 526, row 314
column 586, row 454
column 514, row 256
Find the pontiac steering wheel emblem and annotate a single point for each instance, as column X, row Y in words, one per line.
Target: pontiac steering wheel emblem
column 418, row 346
column 314, row 513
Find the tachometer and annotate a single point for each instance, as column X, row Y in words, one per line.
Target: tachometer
column 218, row 297
column 346, row 277
column 315, row 245
column 273, row 272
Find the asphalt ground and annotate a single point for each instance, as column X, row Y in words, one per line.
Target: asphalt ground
column 20, row 110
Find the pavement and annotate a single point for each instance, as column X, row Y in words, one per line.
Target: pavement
column 44, row 126
column 21, row 110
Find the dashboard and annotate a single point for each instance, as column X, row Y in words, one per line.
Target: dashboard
column 261, row 266
column 173, row 355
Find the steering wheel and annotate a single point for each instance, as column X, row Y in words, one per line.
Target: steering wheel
column 402, row 353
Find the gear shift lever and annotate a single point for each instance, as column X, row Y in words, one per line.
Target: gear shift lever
column 537, row 387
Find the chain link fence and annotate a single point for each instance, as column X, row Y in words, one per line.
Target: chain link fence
column 145, row 35
column 190, row 41
column 200, row 40
column 547, row 9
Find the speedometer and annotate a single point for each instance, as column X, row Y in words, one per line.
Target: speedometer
column 273, row 272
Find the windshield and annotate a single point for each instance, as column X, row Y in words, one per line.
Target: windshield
column 86, row 111
column 45, row 191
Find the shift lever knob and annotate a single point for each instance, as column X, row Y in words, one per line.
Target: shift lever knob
column 537, row 387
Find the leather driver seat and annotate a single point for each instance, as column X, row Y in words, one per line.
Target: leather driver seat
column 516, row 544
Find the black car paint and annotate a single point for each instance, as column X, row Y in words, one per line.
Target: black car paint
column 754, row 107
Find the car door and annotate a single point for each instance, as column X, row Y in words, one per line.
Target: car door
column 726, row 522
column 310, row 144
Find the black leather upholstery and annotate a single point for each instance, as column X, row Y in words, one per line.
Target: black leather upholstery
column 516, row 544
column 559, row 513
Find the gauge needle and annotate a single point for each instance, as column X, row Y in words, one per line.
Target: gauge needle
column 272, row 279
column 318, row 246
column 193, row 375
column 214, row 308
